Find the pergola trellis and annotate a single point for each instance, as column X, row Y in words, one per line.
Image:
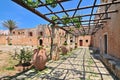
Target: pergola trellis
column 88, row 27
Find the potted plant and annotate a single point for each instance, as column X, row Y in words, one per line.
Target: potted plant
column 75, row 45
column 24, row 59
column 39, row 58
column 63, row 48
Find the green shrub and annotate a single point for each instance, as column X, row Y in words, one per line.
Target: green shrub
column 24, row 56
column 64, row 50
column 10, row 44
column 10, row 68
column 65, row 43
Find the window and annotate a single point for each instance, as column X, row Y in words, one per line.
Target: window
column 23, row 33
column 86, row 41
column 13, row 32
column 71, row 41
column 19, row 33
column 41, row 33
column 30, row 34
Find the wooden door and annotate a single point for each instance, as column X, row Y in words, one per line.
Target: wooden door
column 81, row 42
column 105, row 44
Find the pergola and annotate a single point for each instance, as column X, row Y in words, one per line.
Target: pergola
column 89, row 26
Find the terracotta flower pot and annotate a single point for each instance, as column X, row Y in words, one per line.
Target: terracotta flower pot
column 64, row 50
column 39, row 59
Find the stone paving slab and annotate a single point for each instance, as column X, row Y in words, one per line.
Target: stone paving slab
column 81, row 65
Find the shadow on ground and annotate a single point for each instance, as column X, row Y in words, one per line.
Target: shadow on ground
column 80, row 65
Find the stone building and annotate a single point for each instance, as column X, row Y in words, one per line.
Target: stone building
column 107, row 38
column 40, row 35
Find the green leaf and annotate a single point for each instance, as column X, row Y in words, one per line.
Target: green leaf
column 29, row 1
column 32, row 3
column 52, row 3
column 77, row 25
column 54, row 18
column 75, row 20
column 66, row 20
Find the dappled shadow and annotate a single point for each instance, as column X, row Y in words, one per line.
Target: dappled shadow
column 81, row 65
column 95, row 55
column 14, row 76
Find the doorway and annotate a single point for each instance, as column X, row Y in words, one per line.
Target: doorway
column 81, row 42
column 105, row 44
column 40, row 42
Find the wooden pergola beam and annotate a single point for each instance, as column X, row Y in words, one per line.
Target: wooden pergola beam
column 65, row 11
column 37, row 13
column 20, row 2
column 108, row 6
column 57, row 1
column 112, row 11
column 92, row 13
column 86, row 7
column 92, row 20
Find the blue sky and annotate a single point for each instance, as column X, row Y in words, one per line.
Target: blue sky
column 25, row 18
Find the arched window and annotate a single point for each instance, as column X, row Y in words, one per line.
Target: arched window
column 41, row 33
column 30, row 34
column 13, row 32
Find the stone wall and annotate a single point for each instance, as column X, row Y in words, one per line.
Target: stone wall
column 3, row 40
column 32, row 36
column 86, row 41
column 112, row 29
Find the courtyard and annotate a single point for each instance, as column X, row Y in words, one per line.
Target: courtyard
column 65, row 41
column 80, row 64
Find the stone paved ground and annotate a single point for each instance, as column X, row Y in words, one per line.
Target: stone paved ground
column 78, row 66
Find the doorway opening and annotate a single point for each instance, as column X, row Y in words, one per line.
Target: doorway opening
column 81, row 42
column 105, row 44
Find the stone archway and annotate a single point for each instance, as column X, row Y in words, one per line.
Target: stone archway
column 40, row 42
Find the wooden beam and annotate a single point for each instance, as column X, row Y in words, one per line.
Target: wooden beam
column 92, row 13
column 112, row 11
column 58, row 1
column 21, row 3
column 86, row 7
column 93, row 20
